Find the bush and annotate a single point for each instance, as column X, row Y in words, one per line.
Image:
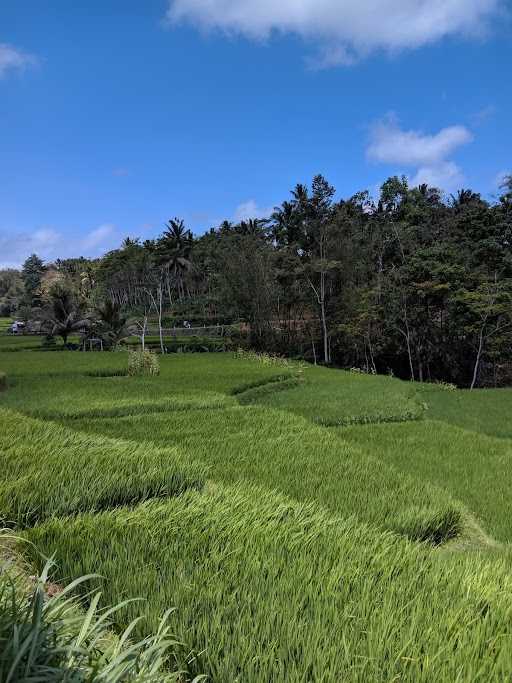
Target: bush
column 143, row 363
column 3, row 381
column 48, row 343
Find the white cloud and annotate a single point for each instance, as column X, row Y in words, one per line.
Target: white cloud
column 12, row 58
column 345, row 29
column 250, row 209
column 445, row 175
column 97, row 237
column 50, row 244
column 413, row 149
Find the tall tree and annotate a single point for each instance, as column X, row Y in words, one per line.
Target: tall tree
column 32, row 272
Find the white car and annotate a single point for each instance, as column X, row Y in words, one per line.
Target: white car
column 17, row 327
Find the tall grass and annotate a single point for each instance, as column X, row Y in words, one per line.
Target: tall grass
column 485, row 410
column 286, row 452
column 47, row 469
column 475, row 468
column 5, row 323
column 272, row 590
column 330, row 397
column 289, row 549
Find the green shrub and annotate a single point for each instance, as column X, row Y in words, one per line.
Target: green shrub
column 143, row 363
column 3, row 381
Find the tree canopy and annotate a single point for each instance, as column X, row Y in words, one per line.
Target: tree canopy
column 410, row 282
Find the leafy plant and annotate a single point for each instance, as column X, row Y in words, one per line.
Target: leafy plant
column 143, row 362
column 48, row 635
column 64, row 315
column 112, row 325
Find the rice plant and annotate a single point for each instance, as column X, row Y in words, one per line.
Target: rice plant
column 294, row 548
column 267, row 589
column 51, row 470
column 476, row 468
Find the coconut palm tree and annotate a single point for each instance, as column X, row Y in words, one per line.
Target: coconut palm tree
column 64, row 315
column 112, row 325
column 173, row 250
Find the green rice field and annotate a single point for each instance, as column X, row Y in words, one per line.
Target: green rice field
column 304, row 524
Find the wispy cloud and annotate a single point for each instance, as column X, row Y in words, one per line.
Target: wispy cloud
column 483, row 115
column 51, row 244
column 250, row 209
column 344, row 31
column 12, row 59
column 426, row 154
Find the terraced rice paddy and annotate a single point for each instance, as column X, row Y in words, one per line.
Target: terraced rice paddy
column 306, row 524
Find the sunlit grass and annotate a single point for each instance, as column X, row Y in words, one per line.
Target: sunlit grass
column 284, row 451
column 49, row 470
column 475, row 468
column 271, row 590
column 483, row 410
column 289, row 548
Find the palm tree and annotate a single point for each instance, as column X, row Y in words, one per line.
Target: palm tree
column 64, row 315
column 173, row 250
column 113, row 324
column 283, row 222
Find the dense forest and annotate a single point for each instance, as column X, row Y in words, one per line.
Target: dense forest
column 413, row 283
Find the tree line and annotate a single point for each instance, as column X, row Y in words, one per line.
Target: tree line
column 411, row 283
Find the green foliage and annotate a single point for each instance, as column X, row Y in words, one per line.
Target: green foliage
column 14, row 343
column 409, row 282
column 3, row 381
column 487, row 412
column 279, row 450
column 5, row 323
column 143, row 362
column 189, row 344
column 11, row 292
column 112, row 325
column 269, row 359
column 31, row 274
column 48, row 635
column 65, row 313
column 336, row 398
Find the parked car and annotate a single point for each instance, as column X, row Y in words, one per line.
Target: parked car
column 17, row 327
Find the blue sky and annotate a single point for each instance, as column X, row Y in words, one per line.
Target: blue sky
column 117, row 114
